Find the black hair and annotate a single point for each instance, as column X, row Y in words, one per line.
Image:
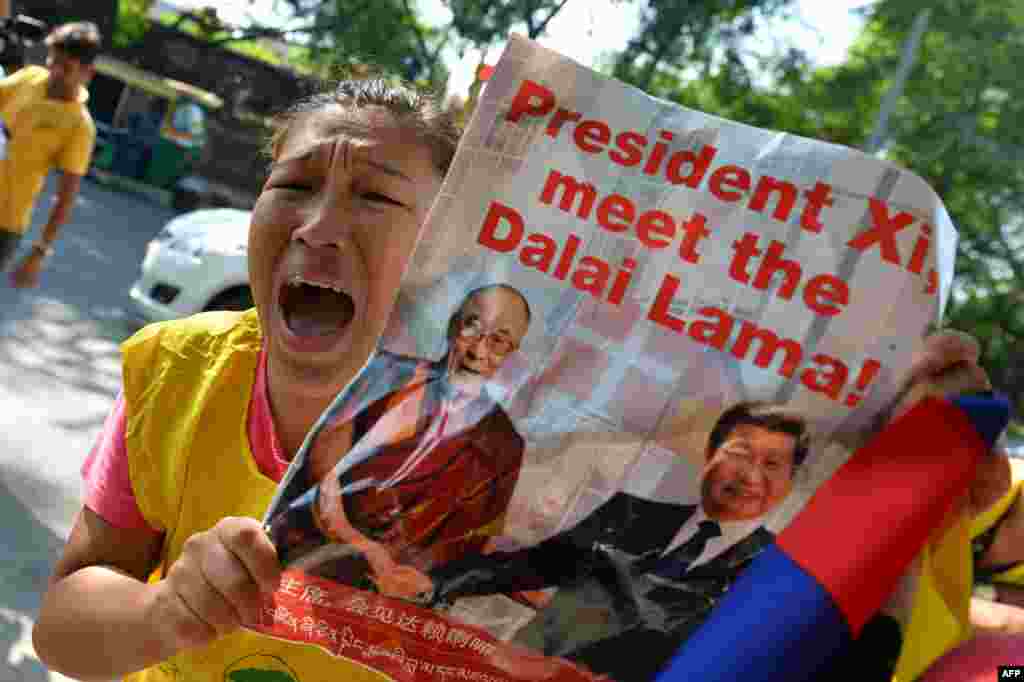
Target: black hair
column 767, row 416
column 414, row 108
column 80, row 39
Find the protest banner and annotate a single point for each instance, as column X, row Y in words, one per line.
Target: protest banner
column 634, row 340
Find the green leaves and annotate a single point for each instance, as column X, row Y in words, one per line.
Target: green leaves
column 960, row 125
column 131, row 22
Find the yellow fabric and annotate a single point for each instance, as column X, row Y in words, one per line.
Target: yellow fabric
column 939, row 612
column 939, row 618
column 982, row 522
column 986, row 519
column 187, row 388
column 44, row 133
column 1011, row 576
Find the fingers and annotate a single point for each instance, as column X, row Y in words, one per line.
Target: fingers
column 945, row 364
column 247, row 541
column 218, row 583
column 944, row 351
column 181, row 626
column 240, row 595
column 206, row 601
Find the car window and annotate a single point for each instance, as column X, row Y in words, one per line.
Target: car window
column 189, row 119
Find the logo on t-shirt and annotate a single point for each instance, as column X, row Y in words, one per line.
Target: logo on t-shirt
column 260, row 668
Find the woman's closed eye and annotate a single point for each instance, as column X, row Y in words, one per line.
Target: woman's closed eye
column 377, row 197
column 292, row 186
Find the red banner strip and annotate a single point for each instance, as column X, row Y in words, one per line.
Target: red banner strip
column 399, row 639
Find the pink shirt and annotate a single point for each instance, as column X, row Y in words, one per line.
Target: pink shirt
column 108, row 488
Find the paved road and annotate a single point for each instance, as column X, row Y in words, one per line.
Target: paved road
column 59, row 374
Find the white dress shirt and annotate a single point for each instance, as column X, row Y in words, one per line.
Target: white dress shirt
column 732, row 533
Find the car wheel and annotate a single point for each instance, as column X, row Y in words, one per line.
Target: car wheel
column 239, row 298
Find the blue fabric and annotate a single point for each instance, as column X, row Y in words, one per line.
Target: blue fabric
column 989, row 413
column 775, row 624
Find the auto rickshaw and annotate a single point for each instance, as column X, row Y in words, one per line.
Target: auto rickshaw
column 149, row 129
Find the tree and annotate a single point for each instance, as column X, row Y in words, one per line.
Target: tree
column 692, row 39
column 960, row 125
column 483, row 23
column 131, row 22
column 391, row 34
column 388, row 34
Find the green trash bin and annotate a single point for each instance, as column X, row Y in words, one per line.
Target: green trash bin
column 170, row 161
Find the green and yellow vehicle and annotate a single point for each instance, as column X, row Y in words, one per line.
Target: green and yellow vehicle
column 150, row 130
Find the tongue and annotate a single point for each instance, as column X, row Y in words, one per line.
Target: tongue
column 313, row 311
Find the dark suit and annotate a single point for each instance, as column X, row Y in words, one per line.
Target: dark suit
column 619, row 620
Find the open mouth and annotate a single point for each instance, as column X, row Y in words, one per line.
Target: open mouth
column 311, row 309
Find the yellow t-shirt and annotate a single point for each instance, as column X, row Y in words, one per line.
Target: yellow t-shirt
column 1012, row 575
column 43, row 133
column 187, row 387
column 940, row 618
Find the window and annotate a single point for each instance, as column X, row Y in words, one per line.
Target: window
column 189, row 119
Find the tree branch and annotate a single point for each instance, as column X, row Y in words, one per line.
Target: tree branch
column 429, row 56
column 257, row 32
column 534, row 31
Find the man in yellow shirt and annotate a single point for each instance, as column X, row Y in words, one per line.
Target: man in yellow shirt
column 47, row 125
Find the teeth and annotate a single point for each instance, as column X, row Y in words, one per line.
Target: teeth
column 298, row 279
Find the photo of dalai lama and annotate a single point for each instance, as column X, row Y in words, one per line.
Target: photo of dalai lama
column 433, row 460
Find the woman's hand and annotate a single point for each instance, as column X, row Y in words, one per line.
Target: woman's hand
column 947, row 363
column 217, row 584
column 26, row 274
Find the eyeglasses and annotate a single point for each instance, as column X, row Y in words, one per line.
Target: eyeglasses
column 498, row 343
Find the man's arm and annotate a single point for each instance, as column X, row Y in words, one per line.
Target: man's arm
column 67, row 190
column 557, row 561
column 27, row 272
column 554, row 562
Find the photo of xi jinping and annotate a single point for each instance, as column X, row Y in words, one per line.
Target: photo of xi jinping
column 637, row 576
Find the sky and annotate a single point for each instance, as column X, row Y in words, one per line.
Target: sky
column 586, row 28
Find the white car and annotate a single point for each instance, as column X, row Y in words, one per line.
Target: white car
column 197, row 262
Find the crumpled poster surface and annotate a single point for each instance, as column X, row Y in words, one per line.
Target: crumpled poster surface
column 633, row 340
